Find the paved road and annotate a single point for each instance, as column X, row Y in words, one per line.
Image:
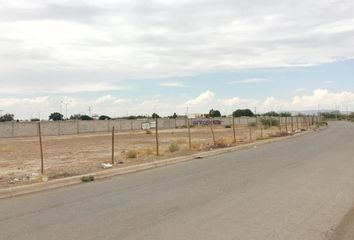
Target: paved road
column 300, row 188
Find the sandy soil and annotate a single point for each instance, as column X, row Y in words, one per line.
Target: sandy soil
column 79, row 154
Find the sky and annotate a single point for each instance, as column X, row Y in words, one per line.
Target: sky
column 126, row 57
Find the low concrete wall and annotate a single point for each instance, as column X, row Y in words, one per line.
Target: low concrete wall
column 30, row 129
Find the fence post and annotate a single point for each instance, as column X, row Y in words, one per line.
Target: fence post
column 157, row 136
column 250, row 134
column 233, row 127
column 212, row 131
column 286, row 125
column 41, row 146
column 113, row 145
column 12, row 129
column 292, row 124
column 280, row 124
column 189, row 134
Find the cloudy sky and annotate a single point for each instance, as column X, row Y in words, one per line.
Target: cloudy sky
column 133, row 57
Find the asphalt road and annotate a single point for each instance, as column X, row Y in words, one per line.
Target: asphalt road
column 301, row 188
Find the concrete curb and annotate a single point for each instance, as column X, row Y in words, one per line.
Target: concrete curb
column 69, row 181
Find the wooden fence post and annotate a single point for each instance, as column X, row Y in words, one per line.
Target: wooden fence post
column 41, row 147
column 157, row 137
column 189, row 134
column 112, row 145
column 250, row 134
column 212, row 131
column 233, row 127
column 286, row 125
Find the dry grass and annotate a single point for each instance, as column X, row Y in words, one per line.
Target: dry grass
column 5, row 150
column 82, row 154
column 224, row 142
column 132, row 154
column 181, row 141
column 173, row 147
column 144, row 152
column 197, row 145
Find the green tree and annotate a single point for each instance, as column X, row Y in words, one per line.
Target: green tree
column 85, row 117
column 243, row 113
column 271, row 113
column 285, row 114
column 214, row 113
column 155, row 115
column 7, row 117
column 55, row 116
column 104, row 117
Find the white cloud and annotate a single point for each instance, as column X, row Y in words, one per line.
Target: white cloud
column 324, row 99
column 204, row 98
column 25, row 108
column 251, row 80
column 47, row 45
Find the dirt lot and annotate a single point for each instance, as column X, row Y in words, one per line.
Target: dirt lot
column 79, row 154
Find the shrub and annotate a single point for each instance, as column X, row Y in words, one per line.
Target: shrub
column 227, row 126
column 321, row 124
column 132, row 154
column 89, row 178
column 148, row 132
column 269, row 122
column 224, row 142
column 252, row 124
column 173, row 147
column 197, row 145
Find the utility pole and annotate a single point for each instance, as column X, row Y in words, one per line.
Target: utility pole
column 90, row 110
column 66, row 103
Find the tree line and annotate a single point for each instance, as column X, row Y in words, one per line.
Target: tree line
column 213, row 113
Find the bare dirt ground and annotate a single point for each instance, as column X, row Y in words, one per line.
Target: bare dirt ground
column 80, row 154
